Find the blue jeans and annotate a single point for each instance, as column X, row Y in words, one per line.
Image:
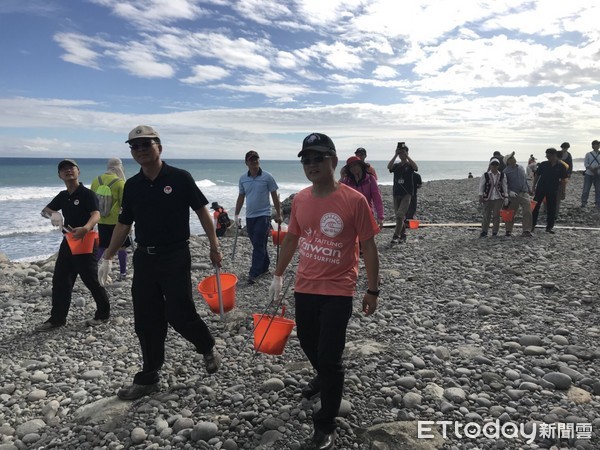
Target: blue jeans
column 321, row 322
column 258, row 231
column 588, row 180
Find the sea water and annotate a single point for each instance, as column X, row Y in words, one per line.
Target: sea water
column 28, row 184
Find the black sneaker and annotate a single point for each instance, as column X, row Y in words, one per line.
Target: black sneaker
column 136, row 391
column 251, row 281
column 494, row 233
column 403, row 238
column 323, row 441
column 95, row 322
column 212, row 361
column 483, row 234
column 48, row 326
column 551, row 231
column 508, row 233
column 312, row 389
column 395, row 239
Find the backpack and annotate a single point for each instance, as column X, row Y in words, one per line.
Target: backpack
column 223, row 219
column 104, row 194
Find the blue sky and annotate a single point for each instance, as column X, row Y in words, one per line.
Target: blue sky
column 455, row 80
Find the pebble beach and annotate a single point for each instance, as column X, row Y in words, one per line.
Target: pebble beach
column 502, row 330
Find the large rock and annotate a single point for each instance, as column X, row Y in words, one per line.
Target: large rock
column 401, row 436
column 108, row 412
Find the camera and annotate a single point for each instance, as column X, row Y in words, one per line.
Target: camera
column 401, row 145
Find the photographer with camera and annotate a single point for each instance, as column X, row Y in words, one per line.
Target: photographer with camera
column 403, row 188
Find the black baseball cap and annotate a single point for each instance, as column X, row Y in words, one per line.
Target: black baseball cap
column 318, row 142
column 67, row 162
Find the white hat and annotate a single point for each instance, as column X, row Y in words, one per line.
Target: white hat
column 510, row 155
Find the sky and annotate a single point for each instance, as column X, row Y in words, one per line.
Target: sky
column 455, row 80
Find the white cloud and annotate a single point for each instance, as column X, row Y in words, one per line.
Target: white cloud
column 139, row 60
column 78, row 48
column 473, row 73
column 203, row 74
column 149, row 11
column 384, row 72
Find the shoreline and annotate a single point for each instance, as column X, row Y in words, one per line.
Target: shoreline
column 467, row 330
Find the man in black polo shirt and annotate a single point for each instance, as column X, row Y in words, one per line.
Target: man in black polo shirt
column 79, row 206
column 549, row 176
column 158, row 199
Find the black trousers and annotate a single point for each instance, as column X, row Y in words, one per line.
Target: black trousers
column 551, row 197
column 66, row 269
column 321, row 322
column 162, row 295
column 412, row 208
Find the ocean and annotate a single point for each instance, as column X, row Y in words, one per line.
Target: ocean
column 28, row 184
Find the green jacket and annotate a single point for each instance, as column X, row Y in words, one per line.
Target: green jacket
column 117, row 196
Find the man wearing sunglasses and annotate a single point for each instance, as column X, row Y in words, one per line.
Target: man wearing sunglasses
column 327, row 222
column 79, row 206
column 158, row 199
column 255, row 186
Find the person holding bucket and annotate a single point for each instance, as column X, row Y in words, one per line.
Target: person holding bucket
column 79, row 206
column 327, row 222
column 518, row 194
column 255, row 186
column 549, row 176
column 158, row 199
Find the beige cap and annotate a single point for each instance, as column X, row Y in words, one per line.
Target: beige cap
column 142, row 131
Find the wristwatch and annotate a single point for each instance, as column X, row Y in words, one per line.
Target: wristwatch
column 375, row 293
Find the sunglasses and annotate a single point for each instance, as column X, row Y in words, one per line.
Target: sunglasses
column 316, row 160
column 140, row 146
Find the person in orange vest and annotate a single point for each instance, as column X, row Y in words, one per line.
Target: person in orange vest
column 222, row 220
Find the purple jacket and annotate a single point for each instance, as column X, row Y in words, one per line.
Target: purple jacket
column 369, row 188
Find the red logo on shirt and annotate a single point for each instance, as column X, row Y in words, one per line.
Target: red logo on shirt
column 331, row 224
column 167, row 190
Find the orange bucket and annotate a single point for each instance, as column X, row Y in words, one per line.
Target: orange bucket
column 413, row 224
column 208, row 290
column 278, row 237
column 273, row 334
column 507, row 215
column 82, row 246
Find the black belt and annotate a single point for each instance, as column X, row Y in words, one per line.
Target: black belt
column 162, row 249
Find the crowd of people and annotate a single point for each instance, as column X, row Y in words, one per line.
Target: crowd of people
column 330, row 220
column 332, row 224
column 506, row 185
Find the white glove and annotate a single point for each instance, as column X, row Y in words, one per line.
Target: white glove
column 512, row 194
column 275, row 288
column 103, row 271
column 506, row 202
column 56, row 219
